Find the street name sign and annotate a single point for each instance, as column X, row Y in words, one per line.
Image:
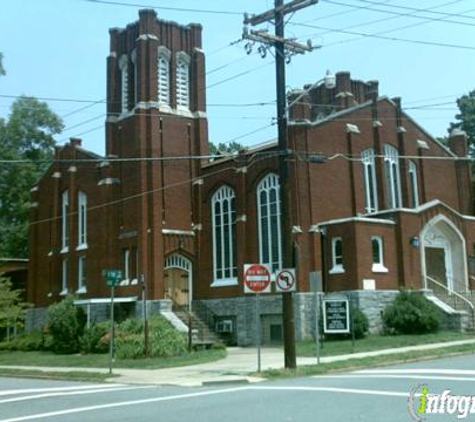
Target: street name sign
column 113, row 277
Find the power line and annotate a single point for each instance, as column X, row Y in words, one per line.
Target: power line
column 132, row 159
column 413, row 12
column 250, row 163
column 406, row 40
column 175, row 9
column 415, row 9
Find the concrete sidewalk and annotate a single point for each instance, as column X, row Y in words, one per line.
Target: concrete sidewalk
column 236, row 367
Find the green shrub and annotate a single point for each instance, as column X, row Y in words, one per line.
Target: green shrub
column 25, row 342
column 129, row 346
column 164, row 340
column 66, row 325
column 412, row 313
column 95, row 338
column 360, row 321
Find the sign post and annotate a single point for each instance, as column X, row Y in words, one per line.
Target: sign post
column 257, row 280
column 317, row 287
column 113, row 278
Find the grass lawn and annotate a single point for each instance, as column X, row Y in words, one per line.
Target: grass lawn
column 374, row 342
column 372, row 362
column 69, row 376
column 102, row 361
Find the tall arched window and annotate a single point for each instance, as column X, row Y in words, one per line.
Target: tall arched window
column 183, row 81
column 65, row 221
column 269, row 225
column 124, row 83
column 391, row 162
column 223, row 205
column 82, row 220
column 369, row 168
column 414, row 183
column 163, row 82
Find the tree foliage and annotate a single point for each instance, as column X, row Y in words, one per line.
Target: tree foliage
column 2, row 69
column 26, row 135
column 12, row 308
column 466, row 118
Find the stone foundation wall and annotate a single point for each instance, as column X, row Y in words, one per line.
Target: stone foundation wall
column 243, row 311
column 36, row 318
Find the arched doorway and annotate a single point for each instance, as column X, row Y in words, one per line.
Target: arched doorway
column 443, row 254
column 178, row 280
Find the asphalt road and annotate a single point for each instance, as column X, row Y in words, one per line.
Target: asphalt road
column 379, row 394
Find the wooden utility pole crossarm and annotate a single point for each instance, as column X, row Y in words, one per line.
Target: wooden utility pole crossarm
column 283, row 48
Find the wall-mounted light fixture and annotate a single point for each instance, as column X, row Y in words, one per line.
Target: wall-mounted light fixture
column 415, row 242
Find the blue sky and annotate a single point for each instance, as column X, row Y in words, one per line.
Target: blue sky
column 57, row 49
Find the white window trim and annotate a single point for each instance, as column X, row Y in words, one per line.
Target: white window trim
column 336, row 268
column 182, row 81
column 82, row 219
column 126, row 279
column 65, row 222
column 269, row 183
column 370, row 196
column 124, row 84
column 378, row 267
column 225, row 282
column 391, row 157
column 133, row 58
column 222, row 195
column 82, row 287
column 65, row 277
column 414, row 179
column 165, row 54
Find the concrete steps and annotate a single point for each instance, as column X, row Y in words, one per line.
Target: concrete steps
column 202, row 335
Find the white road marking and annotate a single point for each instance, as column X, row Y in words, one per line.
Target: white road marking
column 41, row 390
column 120, row 404
column 205, row 393
column 389, row 376
column 71, row 393
column 432, row 371
column 334, row 390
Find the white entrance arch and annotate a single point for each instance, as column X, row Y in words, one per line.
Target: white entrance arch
column 177, row 261
column 442, row 243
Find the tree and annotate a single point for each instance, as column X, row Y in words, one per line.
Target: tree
column 466, row 118
column 26, row 135
column 12, row 308
column 2, row 69
column 230, row 148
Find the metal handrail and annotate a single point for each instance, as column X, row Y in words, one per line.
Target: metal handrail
column 450, row 291
column 190, row 319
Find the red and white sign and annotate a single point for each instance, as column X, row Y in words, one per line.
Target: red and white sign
column 285, row 280
column 256, row 278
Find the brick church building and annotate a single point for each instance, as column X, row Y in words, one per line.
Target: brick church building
column 378, row 205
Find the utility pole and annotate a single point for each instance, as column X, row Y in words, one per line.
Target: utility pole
column 284, row 49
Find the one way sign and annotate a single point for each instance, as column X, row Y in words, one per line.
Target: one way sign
column 285, row 280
